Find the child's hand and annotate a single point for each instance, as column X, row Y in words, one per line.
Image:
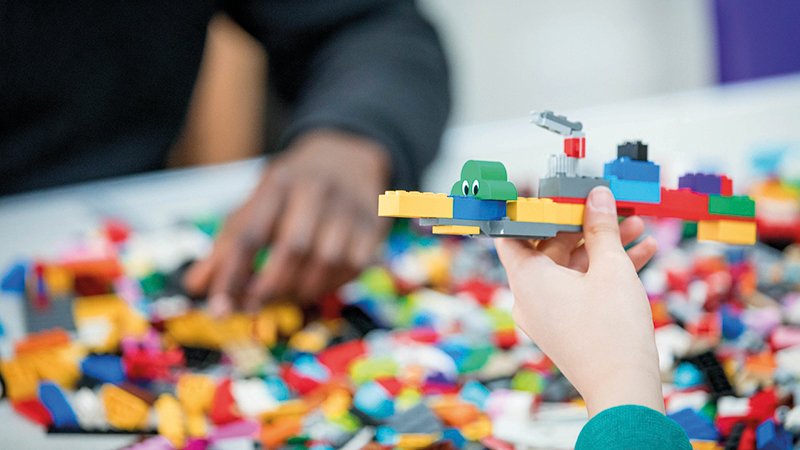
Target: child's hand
column 585, row 307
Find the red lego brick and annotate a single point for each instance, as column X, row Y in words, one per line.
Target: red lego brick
column 145, row 364
column 479, row 290
column 505, row 339
column 117, row 231
column 297, row 381
column 223, row 409
column 34, row 410
column 572, row 200
column 727, row 186
column 338, row 357
column 575, row 147
column 391, row 384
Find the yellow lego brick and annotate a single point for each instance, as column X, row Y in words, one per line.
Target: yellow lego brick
column 730, row 231
column 21, row 379
column 415, row 205
column 56, row 365
column 576, row 218
column 196, row 425
column 705, row 445
column 456, row 229
column 123, row 409
column 478, row 429
column 195, row 392
column 170, row 419
column 289, row 317
column 288, row 409
column 526, row 209
column 417, row 440
column 197, row 328
column 563, row 212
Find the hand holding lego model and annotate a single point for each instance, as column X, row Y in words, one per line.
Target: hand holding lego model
column 315, row 207
column 585, row 307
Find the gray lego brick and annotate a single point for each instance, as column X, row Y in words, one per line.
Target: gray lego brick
column 575, row 187
column 419, row 419
column 57, row 314
column 507, row 228
column 558, row 124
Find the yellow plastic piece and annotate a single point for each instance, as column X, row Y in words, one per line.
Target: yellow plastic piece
column 288, row 409
column 337, row 403
column 576, row 216
column 115, row 313
column 478, row 429
column 417, row 440
column 563, row 213
column 56, row 365
column 170, row 419
column 312, row 339
column 123, row 409
column 456, row 229
column 415, row 204
column 730, row 231
column 289, row 318
column 266, row 327
column 196, row 425
column 196, row 393
column 196, row 328
column 20, row 377
column 526, row 209
column 59, row 280
column 705, row 445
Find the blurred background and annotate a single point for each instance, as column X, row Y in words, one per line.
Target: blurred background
column 670, row 72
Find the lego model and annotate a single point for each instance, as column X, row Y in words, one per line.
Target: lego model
column 484, row 203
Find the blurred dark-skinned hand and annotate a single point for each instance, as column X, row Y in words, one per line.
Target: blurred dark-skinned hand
column 316, row 207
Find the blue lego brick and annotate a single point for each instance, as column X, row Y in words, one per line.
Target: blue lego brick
column 60, row 411
column 454, row 435
column 635, row 191
column 14, row 279
column 625, row 168
column 695, row 425
column 687, row 376
column 107, row 368
column 770, row 436
column 701, row 183
column 471, row 208
column 475, row 393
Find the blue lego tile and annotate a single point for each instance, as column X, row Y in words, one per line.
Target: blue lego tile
column 471, row 208
column 635, row 191
column 625, row 168
column 107, row 368
column 14, row 279
column 695, row 425
column 687, row 376
column 454, row 435
column 770, row 436
column 701, row 183
column 60, row 411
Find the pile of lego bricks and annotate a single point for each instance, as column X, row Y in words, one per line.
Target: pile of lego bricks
column 418, row 352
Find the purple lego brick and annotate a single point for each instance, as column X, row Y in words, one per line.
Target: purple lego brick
column 701, row 183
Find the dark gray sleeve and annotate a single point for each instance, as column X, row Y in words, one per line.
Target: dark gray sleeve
column 372, row 67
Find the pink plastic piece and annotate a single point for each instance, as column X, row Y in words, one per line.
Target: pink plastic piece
column 241, row 428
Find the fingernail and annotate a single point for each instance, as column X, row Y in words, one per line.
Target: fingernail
column 219, row 305
column 601, row 200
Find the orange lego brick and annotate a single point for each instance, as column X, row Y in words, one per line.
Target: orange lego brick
column 44, row 340
column 277, row 433
column 106, row 268
column 415, row 205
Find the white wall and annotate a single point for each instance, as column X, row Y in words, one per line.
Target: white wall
column 511, row 56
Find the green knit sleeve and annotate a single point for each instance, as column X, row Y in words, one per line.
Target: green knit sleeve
column 632, row 427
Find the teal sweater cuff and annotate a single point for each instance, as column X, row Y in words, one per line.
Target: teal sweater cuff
column 632, row 427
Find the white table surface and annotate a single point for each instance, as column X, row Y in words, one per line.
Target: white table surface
column 711, row 129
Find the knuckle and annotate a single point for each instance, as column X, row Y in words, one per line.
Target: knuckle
column 601, row 227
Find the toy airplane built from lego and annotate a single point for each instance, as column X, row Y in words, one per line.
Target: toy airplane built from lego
column 484, row 203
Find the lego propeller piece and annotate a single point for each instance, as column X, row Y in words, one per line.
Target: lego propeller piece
column 557, row 124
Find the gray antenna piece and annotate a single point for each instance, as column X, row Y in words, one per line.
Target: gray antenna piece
column 557, row 124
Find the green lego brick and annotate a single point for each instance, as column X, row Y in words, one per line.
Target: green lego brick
column 732, row 206
column 484, row 180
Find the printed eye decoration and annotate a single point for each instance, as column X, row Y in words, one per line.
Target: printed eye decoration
column 465, row 188
column 475, row 186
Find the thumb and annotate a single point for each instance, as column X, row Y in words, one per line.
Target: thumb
column 600, row 225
